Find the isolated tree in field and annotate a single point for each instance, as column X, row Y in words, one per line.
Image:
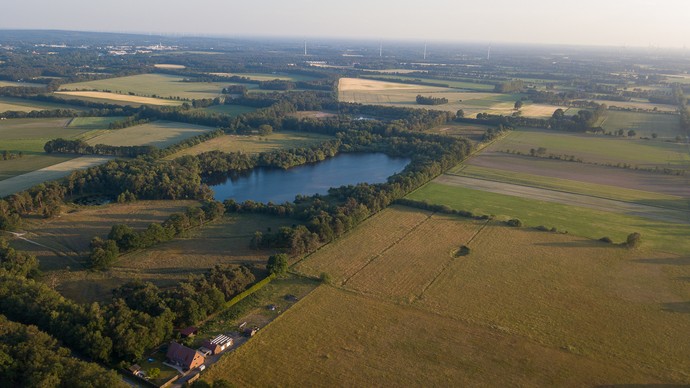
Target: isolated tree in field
column 654, row 135
column 632, row 133
column 277, row 264
column 558, row 114
column 265, row 130
column 518, row 104
column 633, row 240
column 620, row 132
column 460, row 113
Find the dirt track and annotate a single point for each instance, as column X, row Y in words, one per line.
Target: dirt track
column 602, row 204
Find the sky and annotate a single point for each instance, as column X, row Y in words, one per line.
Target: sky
column 661, row 23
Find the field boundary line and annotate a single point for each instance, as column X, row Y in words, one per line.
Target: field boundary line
column 396, row 242
column 449, row 262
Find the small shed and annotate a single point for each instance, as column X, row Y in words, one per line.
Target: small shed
column 190, row 331
column 218, row 344
column 134, row 369
column 250, row 332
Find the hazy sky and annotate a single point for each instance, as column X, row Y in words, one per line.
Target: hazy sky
column 663, row 23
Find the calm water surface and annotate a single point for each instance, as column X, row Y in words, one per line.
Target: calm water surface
column 278, row 186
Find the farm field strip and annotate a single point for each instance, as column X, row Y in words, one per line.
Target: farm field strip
column 120, row 98
column 367, row 91
column 571, row 186
column 158, row 133
column 253, row 144
column 598, row 148
column 150, row 85
column 580, row 221
column 24, row 105
column 666, row 126
column 587, row 173
column 22, row 182
column 572, row 199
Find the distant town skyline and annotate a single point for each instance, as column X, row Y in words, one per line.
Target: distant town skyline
column 634, row 23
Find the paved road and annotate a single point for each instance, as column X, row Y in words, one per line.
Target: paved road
column 621, row 207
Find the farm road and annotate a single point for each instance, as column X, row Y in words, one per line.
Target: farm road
column 22, row 182
column 608, row 205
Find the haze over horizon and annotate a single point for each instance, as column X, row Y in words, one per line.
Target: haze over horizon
column 589, row 22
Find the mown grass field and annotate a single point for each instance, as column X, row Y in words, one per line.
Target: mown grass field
column 373, row 92
column 116, row 98
column 253, row 144
column 580, row 221
column 526, row 307
column 24, row 105
column 598, row 148
column 159, row 133
column 666, row 126
column 152, row 85
column 572, row 186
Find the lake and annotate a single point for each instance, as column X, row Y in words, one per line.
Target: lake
column 278, row 186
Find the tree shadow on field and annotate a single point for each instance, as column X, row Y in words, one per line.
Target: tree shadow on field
column 574, row 244
column 643, row 386
column 665, row 261
column 677, row 307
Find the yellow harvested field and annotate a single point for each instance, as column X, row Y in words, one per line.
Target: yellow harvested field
column 374, row 92
column 258, row 77
column 363, row 84
column 538, row 110
column 349, row 254
column 169, row 66
column 158, row 133
column 121, row 97
column 595, row 300
column 337, row 338
column 22, row 182
column 524, row 306
column 407, row 268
